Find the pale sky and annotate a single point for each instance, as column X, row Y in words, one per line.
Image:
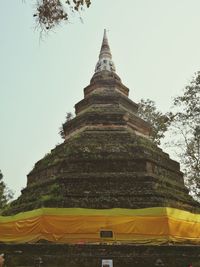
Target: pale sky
column 155, row 46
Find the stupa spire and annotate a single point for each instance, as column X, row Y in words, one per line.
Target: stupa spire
column 105, row 57
column 105, row 49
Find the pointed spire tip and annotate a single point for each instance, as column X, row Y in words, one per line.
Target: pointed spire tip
column 105, row 57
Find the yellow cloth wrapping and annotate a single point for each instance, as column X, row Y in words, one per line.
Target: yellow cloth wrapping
column 75, row 225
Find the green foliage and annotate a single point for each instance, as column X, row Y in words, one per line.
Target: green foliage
column 45, row 198
column 5, row 194
column 159, row 122
column 55, row 189
column 69, row 117
column 186, row 129
column 50, row 13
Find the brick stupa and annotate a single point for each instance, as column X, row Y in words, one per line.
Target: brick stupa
column 107, row 159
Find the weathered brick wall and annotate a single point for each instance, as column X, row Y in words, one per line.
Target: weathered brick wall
column 105, row 170
column 54, row 255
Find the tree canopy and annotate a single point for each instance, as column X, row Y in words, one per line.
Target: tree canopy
column 159, row 122
column 186, row 131
column 69, row 116
column 5, row 194
column 183, row 122
column 50, row 13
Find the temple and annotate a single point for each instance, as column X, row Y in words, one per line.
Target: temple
column 107, row 196
column 107, row 159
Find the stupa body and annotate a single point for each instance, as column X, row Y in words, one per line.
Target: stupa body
column 107, row 159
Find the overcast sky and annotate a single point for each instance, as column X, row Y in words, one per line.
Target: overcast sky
column 155, row 46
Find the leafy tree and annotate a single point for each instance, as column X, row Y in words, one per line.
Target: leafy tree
column 186, row 131
column 159, row 122
column 69, row 116
column 5, row 194
column 50, row 13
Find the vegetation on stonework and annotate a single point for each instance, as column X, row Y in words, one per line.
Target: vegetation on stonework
column 37, row 197
column 51, row 13
column 69, row 116
column 5, row 194
column 37, row 185
column 148, row 144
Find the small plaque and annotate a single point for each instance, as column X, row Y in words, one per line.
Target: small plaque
column 107, row 263
column 106, row 234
